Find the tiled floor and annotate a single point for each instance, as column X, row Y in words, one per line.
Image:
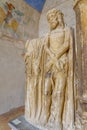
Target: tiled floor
column 5, row 118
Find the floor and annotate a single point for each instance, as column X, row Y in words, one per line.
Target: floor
column 5, row 118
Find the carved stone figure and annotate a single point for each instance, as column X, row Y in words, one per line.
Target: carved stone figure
column 49, row 70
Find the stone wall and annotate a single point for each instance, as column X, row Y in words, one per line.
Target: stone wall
column 66, row 6
column 12, row 68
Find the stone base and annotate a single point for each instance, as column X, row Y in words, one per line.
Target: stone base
column 21, row 124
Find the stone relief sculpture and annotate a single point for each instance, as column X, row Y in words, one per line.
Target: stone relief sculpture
column 49, row 77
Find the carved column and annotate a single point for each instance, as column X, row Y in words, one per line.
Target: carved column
column 80, row 8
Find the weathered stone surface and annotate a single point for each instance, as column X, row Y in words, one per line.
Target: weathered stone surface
column 49, row 77
column 80, row 8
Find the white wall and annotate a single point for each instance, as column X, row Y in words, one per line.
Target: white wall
column 12, row 76
column 66, row 6
column 12, row 67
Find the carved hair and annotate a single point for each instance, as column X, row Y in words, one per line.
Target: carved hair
column 55, row 11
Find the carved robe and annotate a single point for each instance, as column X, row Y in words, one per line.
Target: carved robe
column 36, row 95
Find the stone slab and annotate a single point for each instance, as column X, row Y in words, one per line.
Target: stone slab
column 20, row 123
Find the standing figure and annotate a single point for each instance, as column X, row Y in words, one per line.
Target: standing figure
column 56, row 71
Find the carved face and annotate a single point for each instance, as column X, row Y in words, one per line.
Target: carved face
column 60, row 18
column 53, row 20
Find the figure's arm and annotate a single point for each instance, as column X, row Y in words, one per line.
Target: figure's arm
column 65, row 47
column 49, row 52
column 52, row 61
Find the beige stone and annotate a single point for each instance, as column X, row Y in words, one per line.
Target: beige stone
column 49, row 77
column 80, row 8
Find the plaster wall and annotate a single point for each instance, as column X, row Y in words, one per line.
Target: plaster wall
column 12, row 77
column 12, row 67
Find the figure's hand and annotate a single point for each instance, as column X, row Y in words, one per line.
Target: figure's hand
column 59, row 65
column 49, row 64
column 54, row 59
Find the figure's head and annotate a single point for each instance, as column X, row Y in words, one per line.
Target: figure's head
column 55, row 18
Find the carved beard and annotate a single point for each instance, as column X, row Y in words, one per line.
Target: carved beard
column 54, row 25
